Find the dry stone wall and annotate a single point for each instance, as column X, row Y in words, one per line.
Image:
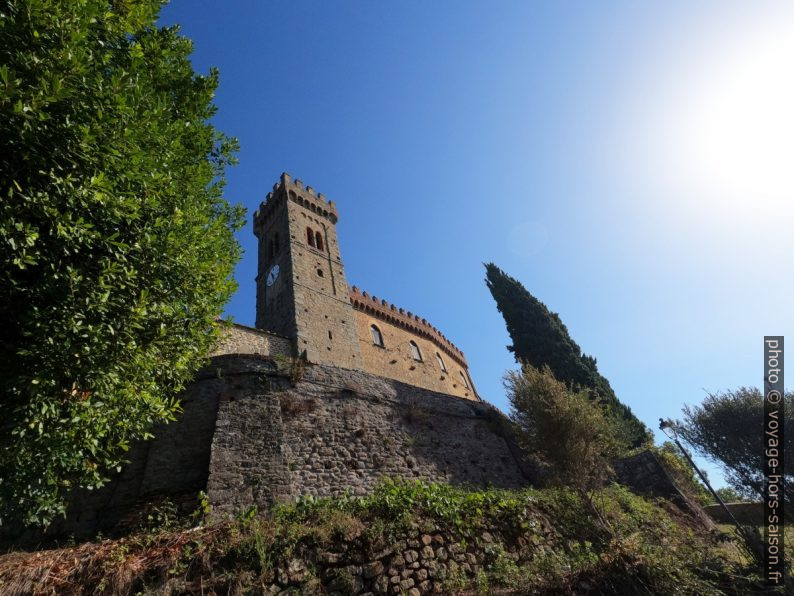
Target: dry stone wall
column 427, row 560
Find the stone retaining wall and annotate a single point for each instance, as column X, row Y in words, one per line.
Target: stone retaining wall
column 429, row 560
column 339, row 430
column 644, row 474
column 256, row 430
column 240, row 339
column 745, row 513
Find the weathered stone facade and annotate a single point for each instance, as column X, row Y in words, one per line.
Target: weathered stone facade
column 255, row 431
column 303, row 294
column 340, row 430
column 239, row 339
column 432, row 362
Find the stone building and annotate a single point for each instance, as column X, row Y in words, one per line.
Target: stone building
column 302, row 294
column 378, row 393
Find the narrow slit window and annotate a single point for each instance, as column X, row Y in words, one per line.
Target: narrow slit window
column 465, row 381
column 377, row 337
column 417, row 355
column 318, row 240
column 441, row 362
column 310, row 236
column 275, row 245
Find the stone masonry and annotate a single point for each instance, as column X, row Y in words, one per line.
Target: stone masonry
column 257, row 430
column 338, row 430
column 334, row 391
column 239, row 339
column 440, row 366
column 303, row 295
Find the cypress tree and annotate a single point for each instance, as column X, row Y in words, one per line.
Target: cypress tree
column 540, row 338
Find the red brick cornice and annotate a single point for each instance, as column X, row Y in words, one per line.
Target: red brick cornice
column 390, row 313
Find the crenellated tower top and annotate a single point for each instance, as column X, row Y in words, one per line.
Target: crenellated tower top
column 303, row 294
column 294, row 190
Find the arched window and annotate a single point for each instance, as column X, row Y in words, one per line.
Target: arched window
column 310, row 236
column 441, row 362
column 318, row 240
column 377, row 338
column 417, row 355
column 464, row 379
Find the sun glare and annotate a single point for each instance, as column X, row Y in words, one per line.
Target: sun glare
column 725, row 127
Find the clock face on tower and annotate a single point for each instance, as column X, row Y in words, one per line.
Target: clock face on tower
column 272, row 275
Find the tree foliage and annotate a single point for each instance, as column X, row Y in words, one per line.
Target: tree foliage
column 727, row 429
column 678, row 467
column 566, row 430
column 541, row 339
column 117, row 244
column 730, row 495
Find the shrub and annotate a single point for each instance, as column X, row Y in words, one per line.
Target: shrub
column 562, row 428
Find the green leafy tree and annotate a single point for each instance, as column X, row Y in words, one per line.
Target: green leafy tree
column 729, row 495
column 541, row 339
column 678, row 467
column 726, row 428
column 564, row 429
column 117, row 245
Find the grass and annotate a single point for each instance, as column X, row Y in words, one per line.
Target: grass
column 738, row 554
column 528, row 541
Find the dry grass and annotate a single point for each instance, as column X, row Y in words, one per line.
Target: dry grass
column 106, row 567
column 659, row 548
column 733, row 549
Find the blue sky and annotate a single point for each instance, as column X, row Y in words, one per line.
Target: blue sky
column 630, row 163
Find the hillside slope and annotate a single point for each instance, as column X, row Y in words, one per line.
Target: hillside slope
column 406, row 538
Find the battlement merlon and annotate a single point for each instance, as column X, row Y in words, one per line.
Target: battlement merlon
column 306, row 196
column 397, row 316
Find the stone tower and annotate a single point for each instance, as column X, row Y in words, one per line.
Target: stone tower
column 301, row 290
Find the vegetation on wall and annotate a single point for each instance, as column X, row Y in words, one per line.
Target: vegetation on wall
column 729, row 495
column 470, row 541
column 117, row 244
column 541, row 339
column 683, row 474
